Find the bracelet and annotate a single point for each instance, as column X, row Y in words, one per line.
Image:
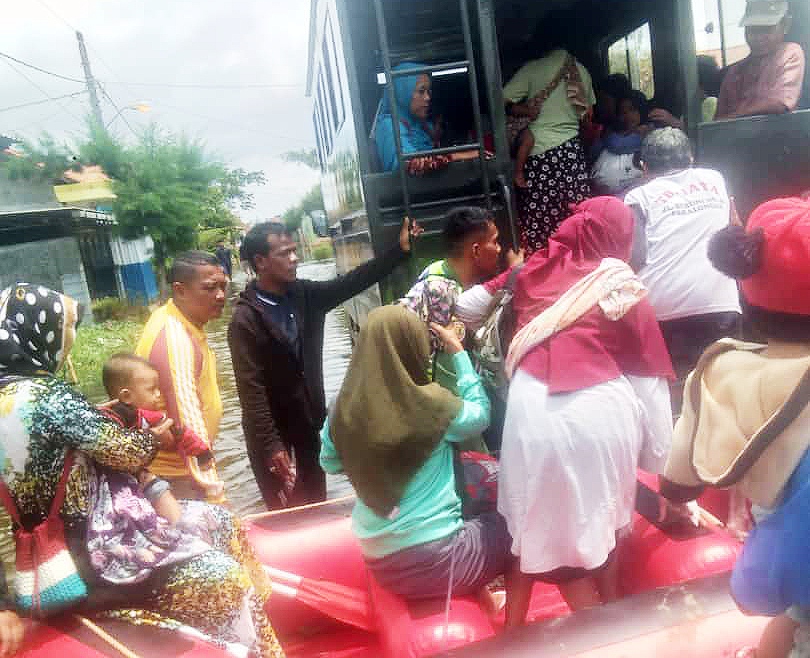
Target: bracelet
column 155, row 489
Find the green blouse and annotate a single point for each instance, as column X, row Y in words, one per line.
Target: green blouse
column 430, row 509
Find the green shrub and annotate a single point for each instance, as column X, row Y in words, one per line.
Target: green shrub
column 207, row 238
column 322, row 251
column 95, row 343
column 112, row 308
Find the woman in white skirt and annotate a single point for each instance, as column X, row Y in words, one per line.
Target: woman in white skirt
column 588, row 404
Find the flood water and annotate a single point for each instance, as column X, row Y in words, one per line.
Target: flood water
column 232, row 462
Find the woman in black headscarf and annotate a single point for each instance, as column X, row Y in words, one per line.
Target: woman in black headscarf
column 121, row 554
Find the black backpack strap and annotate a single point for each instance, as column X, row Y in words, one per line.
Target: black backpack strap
column 507, row 289
column 779, row 422
column 767, row 434
column 513, row 275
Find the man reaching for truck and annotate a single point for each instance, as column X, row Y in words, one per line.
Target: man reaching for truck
column 276, row 342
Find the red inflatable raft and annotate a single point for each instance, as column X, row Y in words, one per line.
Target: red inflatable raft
column 676, row 604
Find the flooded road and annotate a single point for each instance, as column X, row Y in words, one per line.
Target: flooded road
column 232, row 462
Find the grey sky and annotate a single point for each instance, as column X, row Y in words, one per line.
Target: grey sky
column 172, row 42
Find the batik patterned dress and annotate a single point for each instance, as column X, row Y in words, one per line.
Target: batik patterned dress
column 204, row 575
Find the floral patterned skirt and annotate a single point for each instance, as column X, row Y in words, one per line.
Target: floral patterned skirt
column 220, row 593
column 555, row 180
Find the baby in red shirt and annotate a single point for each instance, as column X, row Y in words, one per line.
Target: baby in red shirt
column 137, row 403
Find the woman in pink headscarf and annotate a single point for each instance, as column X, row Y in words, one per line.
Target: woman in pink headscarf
column 588, row 400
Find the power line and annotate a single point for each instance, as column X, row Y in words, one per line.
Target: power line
column 48, row 7
column 89, row 80
column 231, row 123
column 90, row 46
column 177, row 85
column 119, row 111
column 44, row 100
column 205, row 85
column 41, row 70
column 104, row 63
column 116, row 80
column 38, row 122
column 39, row 87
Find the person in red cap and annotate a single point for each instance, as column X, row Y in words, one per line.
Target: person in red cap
column 746, row 420
column 769, row 80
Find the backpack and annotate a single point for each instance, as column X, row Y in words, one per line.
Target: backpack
column 491, row 341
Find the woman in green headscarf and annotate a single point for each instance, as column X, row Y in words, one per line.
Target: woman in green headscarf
column 391, row 431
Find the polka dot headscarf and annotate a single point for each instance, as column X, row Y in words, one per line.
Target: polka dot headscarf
column 37, row 328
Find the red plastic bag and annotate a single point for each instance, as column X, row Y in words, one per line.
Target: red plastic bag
column 480, row 490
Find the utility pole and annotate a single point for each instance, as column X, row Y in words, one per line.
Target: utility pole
column 91, row 82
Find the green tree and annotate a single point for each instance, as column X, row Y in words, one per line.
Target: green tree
column 312, row 200
column 292, row 218
column 227, row 194
column 167, row 186
column 307, row 157
column 101, row 148
column 43, row 160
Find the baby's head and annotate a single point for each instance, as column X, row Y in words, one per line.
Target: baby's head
column 632, row 110
column 132, row 380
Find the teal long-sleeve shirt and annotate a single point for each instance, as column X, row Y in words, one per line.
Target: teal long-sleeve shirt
column 430, row 509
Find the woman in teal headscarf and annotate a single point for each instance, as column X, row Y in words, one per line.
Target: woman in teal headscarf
column 416, row 131
column 413, row 93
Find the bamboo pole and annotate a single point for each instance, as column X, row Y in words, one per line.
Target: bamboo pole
column 74, row 379
column 278, row 512
column 104, row 635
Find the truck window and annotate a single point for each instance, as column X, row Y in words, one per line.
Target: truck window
column 450, row 100
column 717, row 30
column 328, row 129
column 333, row 81
column 322, row 122
column 632, row 55
column 316, row 124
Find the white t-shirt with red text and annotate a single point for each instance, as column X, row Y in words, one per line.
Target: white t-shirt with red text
column 683, row 211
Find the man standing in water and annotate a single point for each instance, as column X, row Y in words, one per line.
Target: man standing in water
column 174, row 342
column 276, row 342
column 223, row 255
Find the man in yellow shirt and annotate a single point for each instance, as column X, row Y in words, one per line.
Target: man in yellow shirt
column 175, row 343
